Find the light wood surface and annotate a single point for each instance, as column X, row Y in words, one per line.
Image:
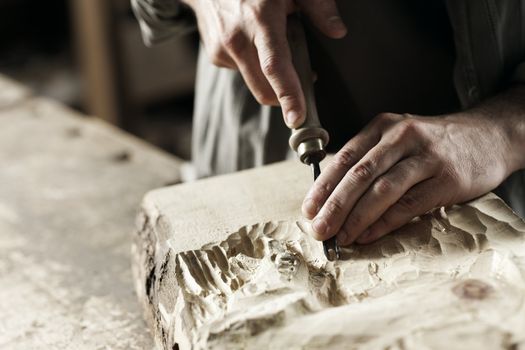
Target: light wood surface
column 208, row 210
column 70, row 189
column 223, row 263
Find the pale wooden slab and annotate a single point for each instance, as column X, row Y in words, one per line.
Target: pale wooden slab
column 208, row 210
column 222, row 264
column 70, row 188
column 187, row 216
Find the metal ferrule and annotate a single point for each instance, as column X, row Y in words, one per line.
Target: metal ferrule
column 311, row 150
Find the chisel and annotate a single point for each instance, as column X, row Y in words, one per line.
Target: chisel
column 310, row 139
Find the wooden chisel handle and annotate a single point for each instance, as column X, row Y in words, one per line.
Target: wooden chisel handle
column 308, row 140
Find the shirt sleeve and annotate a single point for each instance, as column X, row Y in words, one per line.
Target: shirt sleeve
column 160, row 20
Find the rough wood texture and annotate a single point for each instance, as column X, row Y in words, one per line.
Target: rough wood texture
column 224, row 263
column 70, row 188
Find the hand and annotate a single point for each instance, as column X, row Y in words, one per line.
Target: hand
column 250, row 35
column 402, row 166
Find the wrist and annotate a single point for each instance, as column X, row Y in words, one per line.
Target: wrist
column 512, row 120
column 492, row 131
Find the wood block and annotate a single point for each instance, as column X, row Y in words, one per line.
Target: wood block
column 70, row 188
column 227, row 263
column 209, row 210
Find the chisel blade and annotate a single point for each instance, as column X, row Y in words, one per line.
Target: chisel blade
column 330, row 246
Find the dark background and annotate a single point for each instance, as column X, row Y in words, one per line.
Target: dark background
column 89, row 55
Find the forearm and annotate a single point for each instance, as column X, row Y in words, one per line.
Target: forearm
column 506, row 113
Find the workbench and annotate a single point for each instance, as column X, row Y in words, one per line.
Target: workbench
column 225, row 262
column 70, row 186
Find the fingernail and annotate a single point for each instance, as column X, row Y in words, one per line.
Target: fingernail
column 341, row 238
column 310, row 207
column 292, row 119
column 363, row 238
column 336, row 23
column 320, row 227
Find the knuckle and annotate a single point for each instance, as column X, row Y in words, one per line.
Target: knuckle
column 287, row 98
column 409, row 203
column 334, row 207
column 408, row 127
column 413, row 163
column 364, row 171
column 233, row 39
column 383, row 186
column 411, row 128
column 257, row 14
column 270, row 65
column 345, row 158
column 385, row 118
column 323, row 190
column 262, row 12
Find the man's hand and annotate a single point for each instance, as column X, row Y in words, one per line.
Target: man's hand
column 250, row 35
column 402, row 166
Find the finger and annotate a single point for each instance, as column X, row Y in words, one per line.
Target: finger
column 384, row 192
column 244, row 54
column 249, row 67
column 419, row 200
column 343, row 160
column 219, row 57
column 213, row 48
column 276, row 64
column 223, row 60
column 377, row 161
column 347, row 157
column 325, row 16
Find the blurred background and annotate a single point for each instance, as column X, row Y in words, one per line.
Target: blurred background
column 89, row 55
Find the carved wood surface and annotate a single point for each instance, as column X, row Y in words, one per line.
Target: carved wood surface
column 452, row 279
